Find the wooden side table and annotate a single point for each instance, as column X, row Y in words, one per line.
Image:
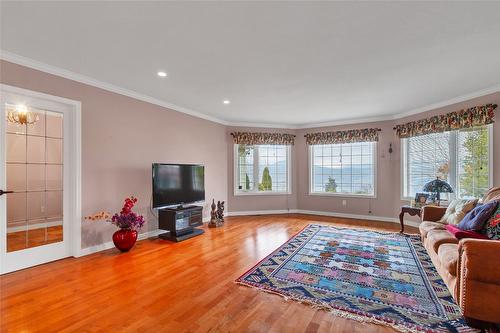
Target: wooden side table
column 410, row 210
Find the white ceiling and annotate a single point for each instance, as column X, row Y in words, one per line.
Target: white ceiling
column 293, row 63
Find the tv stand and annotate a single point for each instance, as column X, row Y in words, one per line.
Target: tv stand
column 180, row 222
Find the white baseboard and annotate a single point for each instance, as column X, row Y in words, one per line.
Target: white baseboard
column 153, row 233
column 262, row 212
column 110, row 245
column 323, row 213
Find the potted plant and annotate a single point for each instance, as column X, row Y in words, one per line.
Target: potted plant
column 128, row 222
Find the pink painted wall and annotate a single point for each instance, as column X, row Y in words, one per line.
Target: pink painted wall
column 379, row 206
column 120, row 141
column 121, row 137
column 388, row 200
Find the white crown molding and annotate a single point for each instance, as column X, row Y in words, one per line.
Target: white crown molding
column 455, row 100
column 34, row 64
column 345, row 122
column 31, row 63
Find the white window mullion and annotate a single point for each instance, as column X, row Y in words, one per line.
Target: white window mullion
column 256, row 168
column 453, row 172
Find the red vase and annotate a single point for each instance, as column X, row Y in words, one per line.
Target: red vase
column 124, row 239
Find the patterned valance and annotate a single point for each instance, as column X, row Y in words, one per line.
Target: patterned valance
column 356, row 135
column 248, row 138
column 475, row 116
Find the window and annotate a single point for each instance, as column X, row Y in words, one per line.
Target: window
column 261, row 169
column 344, row 169
column 459, row 157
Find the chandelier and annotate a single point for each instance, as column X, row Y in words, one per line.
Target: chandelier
column 21, row 116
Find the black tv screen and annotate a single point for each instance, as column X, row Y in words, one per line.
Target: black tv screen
column 176, row 184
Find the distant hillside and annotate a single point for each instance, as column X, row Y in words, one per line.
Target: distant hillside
column 358, row 175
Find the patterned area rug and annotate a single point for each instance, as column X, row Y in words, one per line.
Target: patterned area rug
column 370, row 276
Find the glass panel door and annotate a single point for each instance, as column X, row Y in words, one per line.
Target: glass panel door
column 34, row 172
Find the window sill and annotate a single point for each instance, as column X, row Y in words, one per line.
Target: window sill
column 344, row 195
column 237, row 194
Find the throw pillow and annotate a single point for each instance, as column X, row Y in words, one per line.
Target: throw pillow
column 459, row 234
column 476, row 218
column 456, row 211
column 493, row 225
column 492, row 194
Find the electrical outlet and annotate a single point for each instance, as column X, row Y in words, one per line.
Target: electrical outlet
column 344, row 203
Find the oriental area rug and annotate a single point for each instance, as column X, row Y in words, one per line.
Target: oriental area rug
column 383, row 278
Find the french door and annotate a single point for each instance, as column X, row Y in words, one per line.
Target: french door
column 38, row 184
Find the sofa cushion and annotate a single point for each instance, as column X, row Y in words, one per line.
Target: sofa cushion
column 492, row 194
column 448, row 257
column 427, row 226
column 477, row 218
column 437, row 237
column 459, row 233
column 456, row 210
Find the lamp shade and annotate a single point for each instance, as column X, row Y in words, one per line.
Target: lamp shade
column 437, row 185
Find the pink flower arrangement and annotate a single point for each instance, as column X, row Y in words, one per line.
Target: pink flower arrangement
column 126, row 219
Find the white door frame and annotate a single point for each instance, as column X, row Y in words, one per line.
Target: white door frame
column 72, row 200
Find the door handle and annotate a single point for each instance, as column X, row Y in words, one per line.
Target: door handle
column 2, row 192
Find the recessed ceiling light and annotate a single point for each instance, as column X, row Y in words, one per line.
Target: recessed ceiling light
column 226, row 101
column 162, row 74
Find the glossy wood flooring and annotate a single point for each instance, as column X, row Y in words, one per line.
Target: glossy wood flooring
column 171, row 287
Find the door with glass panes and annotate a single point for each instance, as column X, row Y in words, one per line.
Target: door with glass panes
column 33, row 214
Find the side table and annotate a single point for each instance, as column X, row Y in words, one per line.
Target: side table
column 412, row 211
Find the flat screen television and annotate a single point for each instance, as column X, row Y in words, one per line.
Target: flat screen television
column 177, row 184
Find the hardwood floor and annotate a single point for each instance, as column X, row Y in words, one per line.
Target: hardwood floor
column 171, row 287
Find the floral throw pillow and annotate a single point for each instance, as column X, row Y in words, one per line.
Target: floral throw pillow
column 493, row 225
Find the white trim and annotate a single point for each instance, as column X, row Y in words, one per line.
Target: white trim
column 262, row 212
column 264, row 193
column 71, row 246
column 491, row 154
column 323, row 213
column 342, row 195
column 110, row 245
column 31, row 63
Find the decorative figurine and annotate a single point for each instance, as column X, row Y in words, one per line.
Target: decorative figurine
column 217, row 214
column 220, row 211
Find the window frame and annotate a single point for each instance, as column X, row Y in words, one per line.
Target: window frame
column 344, row 195
column 454, row 158
column 255, row 191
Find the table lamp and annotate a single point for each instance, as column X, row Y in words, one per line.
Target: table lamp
column 436, row 187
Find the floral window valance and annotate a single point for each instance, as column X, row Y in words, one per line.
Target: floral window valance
column 356, row 135
column 475, row 116
column 248, row 138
